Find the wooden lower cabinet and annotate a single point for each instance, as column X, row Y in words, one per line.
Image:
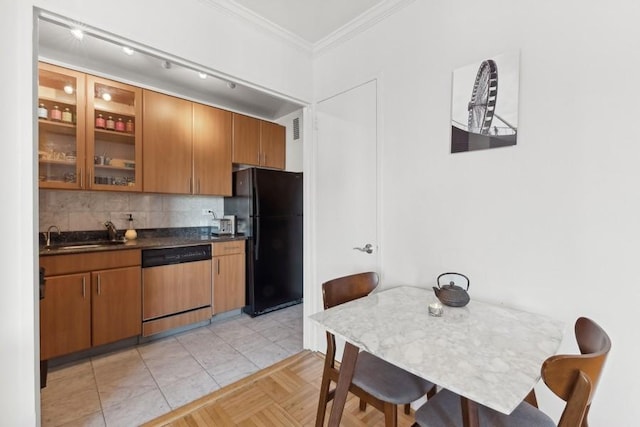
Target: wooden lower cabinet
column 82, row 309
column 116, row 304
column 228, row 276
column 65, row 315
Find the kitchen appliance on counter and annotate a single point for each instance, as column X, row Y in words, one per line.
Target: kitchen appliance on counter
column 176, row 287
column 267, row 205
column 224, row 226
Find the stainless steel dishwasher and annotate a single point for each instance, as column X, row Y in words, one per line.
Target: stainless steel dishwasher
column 176, row 287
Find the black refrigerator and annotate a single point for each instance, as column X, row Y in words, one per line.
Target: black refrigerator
column 268, row 209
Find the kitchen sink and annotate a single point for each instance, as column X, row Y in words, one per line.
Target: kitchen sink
column 86, row 245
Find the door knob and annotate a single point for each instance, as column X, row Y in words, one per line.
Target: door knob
column 368, row 248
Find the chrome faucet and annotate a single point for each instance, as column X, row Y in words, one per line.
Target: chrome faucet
column 113, row 232
column 47, row 234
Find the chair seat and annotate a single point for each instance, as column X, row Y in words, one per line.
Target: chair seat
column 444, row 410
column 387, row 382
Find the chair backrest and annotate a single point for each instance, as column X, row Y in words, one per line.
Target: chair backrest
column 562, row 373
column 348, row 288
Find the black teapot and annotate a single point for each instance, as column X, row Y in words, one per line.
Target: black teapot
column 451, row 294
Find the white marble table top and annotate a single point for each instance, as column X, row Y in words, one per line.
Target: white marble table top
column 488, row 353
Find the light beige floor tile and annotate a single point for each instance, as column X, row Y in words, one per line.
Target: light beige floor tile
column 70, row 371
column 92, row 420
column 267, row 355
column 118, row 386
column 277, row 332
column 292, row 344
column 209, row 355
column 69, row 398
column 251, row 343
column 189, row 389
column 232, row 331
column 233, row 370
column 136, row 410
column 173, row 367
column 263, row 322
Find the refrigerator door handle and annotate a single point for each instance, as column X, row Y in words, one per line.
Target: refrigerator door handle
column 257, row 240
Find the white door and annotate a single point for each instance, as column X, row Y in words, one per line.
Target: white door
column 346, row 184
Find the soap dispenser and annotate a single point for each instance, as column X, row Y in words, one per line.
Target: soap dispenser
column 131, row 233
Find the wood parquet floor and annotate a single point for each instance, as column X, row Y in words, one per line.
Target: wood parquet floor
column 285, row 394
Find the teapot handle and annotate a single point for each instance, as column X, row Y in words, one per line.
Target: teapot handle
column 457, row 274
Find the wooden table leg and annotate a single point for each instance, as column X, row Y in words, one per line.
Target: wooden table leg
column 469, row 412
column 347, row 367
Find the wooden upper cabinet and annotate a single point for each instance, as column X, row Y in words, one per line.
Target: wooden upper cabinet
column 114, row 136
column 258, row 142
column 212, row 134
column 167, row 156
column 61, row 127
column 273, row 145
column 246, row 140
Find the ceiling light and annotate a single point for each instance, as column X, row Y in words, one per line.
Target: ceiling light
column 202, row 75
column 106, row 96
column 68, row 89
column 231, row 85
column 127, row 50
column 77, row 33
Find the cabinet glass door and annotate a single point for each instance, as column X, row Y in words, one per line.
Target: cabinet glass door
column 61, row 137
column 114, row 135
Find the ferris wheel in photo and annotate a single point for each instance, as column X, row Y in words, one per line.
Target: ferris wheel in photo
column 483, row 98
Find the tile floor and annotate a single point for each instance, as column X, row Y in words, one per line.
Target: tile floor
column 134, row 385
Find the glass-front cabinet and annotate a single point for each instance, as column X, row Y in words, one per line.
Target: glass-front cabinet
column 113, row 135
column 61, row 135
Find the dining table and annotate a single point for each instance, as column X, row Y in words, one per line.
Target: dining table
column 488, row 353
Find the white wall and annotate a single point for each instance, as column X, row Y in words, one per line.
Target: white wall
column 550, row 225
column 294, row 158
column 190, row 29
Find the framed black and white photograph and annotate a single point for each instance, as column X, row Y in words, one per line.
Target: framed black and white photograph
column 484, row 104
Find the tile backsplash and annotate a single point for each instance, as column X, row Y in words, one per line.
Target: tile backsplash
column 88, row 210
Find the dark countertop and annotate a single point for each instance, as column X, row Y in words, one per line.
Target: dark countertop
column 145, row 240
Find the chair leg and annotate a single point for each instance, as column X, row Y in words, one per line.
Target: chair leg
column 363, row 405
column 407, row 408
column 324, row 398
column 585, row 423
column 390, row 415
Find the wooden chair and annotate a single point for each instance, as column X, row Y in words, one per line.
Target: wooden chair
column 573, row 378
column 376, row 382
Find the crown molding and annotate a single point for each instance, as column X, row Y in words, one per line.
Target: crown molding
column 359, row 24
column 236, row 10
column 349, row 30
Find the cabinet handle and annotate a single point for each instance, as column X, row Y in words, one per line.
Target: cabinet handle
column 89, row 183
column 198, row 186
column 84, row 288
column 218, row 262
column 81, row 178
column 99, row 284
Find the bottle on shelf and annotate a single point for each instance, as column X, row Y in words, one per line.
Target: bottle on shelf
column 111, row 125
column 120, row 125
column 56, row 114
column 67, row 116
column 43, row 113
column 129, row 126
column 100, row 122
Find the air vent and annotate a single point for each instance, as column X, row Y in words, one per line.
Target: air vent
column 296, row 128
